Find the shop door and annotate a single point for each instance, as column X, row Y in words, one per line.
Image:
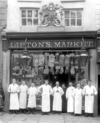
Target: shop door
column 99, row 94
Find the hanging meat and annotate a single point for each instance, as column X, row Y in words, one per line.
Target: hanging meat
column 46, row 59
column 57, row 66
column 72, row 69
column 33, row 72
column 40, row 70
column 76, row 59
column 67, row 63
column 61, row 70
column 41, row 60
column 62, row 63
column 83, row 62
column 52, row 70
column 35, row 60
column 51, row 60
column 36, row 71
column 46, row 70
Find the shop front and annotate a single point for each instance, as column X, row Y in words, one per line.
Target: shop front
column 57, row 56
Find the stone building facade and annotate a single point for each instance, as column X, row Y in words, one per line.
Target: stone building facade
column 51, row 26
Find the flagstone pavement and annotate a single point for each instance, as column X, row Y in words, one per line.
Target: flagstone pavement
column 51, row 118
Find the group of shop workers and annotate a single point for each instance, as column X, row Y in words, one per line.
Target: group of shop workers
column 69, row 99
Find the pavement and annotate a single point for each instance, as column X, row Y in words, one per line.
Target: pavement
column 51, row 118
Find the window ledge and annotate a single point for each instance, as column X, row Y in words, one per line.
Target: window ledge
column 72, row 0
column 29, row 0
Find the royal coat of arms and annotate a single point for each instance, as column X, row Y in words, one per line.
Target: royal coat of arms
column 51, row 15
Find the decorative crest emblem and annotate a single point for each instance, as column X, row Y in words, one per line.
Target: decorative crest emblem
column 51, row 15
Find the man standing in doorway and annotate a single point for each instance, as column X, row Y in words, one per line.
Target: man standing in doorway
column 89, row 91
column 78, row 100
column 32, row 92
column 70, row 98
column 46, row 92
column 23, row 97
column 57, row 98
column 64, row 101
column 13, row 89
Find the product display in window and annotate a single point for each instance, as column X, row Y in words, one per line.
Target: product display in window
column 44, row 63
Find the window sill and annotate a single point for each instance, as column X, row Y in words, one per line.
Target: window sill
column 73, row 28
column 28, row 28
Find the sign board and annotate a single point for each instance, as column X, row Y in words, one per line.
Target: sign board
column 50, row 44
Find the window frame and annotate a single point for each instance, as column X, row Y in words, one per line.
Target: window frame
column 32, row 18
column 76, row 17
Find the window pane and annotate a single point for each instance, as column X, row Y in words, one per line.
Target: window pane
column 23, row 13
column 66, row 14
column 29, row 13
column 72, row 14
column 35, row 21
column 79, row 14
column 79, row 22
column 66, row 22
column 72, row 22
column 23, row 22
column 29, row 21
column 35, row 13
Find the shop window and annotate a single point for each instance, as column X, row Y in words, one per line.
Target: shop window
column 73, row 18
column 29, row 17
column 37, row 66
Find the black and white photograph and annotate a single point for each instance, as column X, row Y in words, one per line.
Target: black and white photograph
column 49, row 61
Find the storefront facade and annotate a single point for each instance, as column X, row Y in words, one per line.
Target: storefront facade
column 53, row 41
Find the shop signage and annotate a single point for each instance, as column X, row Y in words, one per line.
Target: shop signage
column 51, row 44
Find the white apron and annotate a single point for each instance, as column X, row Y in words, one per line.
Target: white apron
column 78, row 101
column 23, row 96
column 46, row 91
column 14, row 102
column 32, row 91
column 89, row 99
column 70, row 99
column 57, row 99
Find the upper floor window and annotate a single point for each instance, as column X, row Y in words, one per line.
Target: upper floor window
column 29, row 17
column 73, row 18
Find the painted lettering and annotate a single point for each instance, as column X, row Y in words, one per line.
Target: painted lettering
column 57, row 44
column 48, row 44
column 34, row 45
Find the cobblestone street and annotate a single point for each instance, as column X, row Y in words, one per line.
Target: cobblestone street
column 52, row 118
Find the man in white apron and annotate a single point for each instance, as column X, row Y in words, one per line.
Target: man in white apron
column 70, row 98
column 89, row 91
column 78, row 100
column 23, row 96
column 57, row 98
column 32, row 92
column 13, row 89
column 46, row 92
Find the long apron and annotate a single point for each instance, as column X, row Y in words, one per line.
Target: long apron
column 70, row 104
column 14, row 102
column 23, row 100
column 45, row 103
column 89, row 102
column 78, row 102
column 57, row 102
column 32, row 101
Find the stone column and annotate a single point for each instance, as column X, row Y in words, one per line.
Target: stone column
column 93, row 76
column 6, row 77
